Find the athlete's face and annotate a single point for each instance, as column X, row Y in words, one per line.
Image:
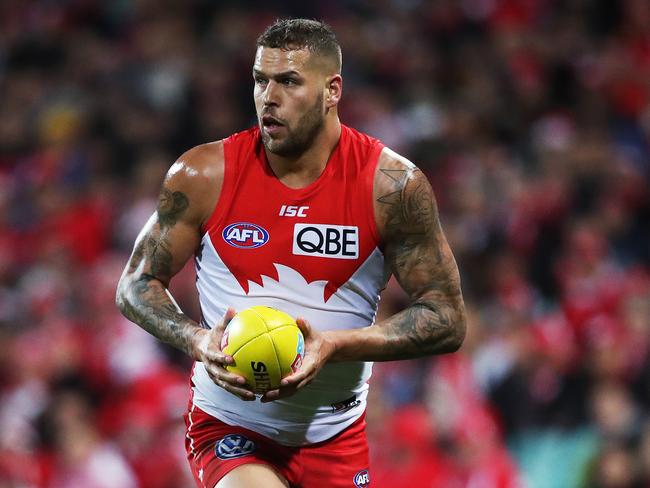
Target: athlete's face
column 290, row 90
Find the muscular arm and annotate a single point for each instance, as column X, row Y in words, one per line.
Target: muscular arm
column 418, row 255
column 164, row 245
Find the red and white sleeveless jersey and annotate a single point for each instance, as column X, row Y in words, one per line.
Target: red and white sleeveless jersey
column 312, row 252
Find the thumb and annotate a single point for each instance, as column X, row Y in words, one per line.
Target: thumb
column 227, row 317
column 219, row 332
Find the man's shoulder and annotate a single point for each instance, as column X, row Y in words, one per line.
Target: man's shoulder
column 203, row 160
column 197, row 175
column 392, row 173
column 210, row 156
column 391, row 160
column 395, row 179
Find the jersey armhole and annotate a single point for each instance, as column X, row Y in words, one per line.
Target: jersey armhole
column 226, row 187
column 369, row 188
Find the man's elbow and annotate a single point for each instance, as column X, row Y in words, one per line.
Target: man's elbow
column 120, row 295
column 119, row 299
column 456, row 331
column 447, row 335
column 446, row 324
column 458, row 334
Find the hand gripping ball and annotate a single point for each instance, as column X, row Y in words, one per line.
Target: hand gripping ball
column 266, row 345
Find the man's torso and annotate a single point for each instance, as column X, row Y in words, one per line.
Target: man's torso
column 312, row 252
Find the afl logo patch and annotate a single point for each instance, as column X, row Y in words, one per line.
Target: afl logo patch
column 362, row 479
column 245, row 235
column 234, row 446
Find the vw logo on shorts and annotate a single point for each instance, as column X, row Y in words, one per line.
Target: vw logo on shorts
column 234, row 446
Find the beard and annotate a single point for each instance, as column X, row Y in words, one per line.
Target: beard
column 301, row 138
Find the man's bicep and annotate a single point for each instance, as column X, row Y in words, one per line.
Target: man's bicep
column 186, row 199
column 417, row 251
column 425, row 268
column 170, row 236
column 161, row 250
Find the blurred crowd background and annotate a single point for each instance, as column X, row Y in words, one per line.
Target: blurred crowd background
column 531, row 119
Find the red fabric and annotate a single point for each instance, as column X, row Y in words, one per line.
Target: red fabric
column 348, row 176
column 84, row 229
column 334, row 463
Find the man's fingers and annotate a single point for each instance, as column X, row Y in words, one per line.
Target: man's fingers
column 303, row 380
column 288, row 389
column 270, row 395
column 294, row 378
column 232, row 378
column 235, row 390
column 230, row 382
column 213, row 352
column 290, row 384
column 217, row 356
column 225, row 320
column 306, row 381
column 307, row 368
column 230, row 313
column 281, row 392
column 221, row 374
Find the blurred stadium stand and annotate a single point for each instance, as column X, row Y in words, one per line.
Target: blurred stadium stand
column 531, row 119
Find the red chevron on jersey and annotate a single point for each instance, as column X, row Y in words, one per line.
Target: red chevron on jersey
column 324, row 231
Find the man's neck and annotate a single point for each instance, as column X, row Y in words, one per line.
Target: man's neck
column 300, row 171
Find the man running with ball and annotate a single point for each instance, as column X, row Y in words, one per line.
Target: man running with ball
column 311, row 217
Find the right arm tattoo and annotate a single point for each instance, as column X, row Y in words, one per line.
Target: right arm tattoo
column 171, row 206
column 142, row 295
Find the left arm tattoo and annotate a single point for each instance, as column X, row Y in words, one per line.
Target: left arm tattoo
column 420, row 259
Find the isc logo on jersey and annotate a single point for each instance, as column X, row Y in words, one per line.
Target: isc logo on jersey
column 245, row 235
column 326, row 241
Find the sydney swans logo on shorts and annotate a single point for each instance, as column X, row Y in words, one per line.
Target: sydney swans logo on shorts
column 326, row 241
column 234, row 446
column 245, row 235
column 362, row 479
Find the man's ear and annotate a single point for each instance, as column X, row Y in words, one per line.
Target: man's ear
column 334, row 90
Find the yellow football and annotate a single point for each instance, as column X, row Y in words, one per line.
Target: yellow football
column 266, row 345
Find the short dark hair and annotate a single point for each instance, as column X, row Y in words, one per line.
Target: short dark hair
column 316, row 36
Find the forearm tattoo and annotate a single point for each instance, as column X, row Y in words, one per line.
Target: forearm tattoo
column 420, row 259
column 142, row 296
